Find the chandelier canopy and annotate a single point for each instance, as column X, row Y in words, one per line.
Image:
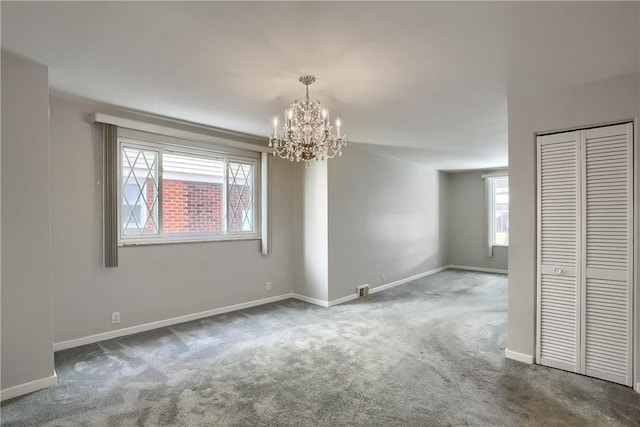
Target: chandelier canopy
column 307, row 133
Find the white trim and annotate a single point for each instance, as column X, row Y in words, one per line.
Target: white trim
column 520, row 357
column 265, row 243
column 310, row 300
column 63, row 345
column 30, row 387
column 167, row 322
column 636, row 265
column 353, row 296
column 405, row 280
column 482, row 269
column 229, row 140
column 489, row 208
column 343, row 299
column 599, row 125
column 496, row 174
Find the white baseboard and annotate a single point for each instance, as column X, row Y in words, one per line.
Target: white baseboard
column 520, row 357
column 167, row 322
column 406, row 279
column 63, row 345
column 310, row 300
column 323, row 303
column 385, row 286
column 481, row 269
column 343, row 299
column 30, row 387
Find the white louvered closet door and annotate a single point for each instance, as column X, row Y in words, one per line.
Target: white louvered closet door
column 585, row 252
column 607, row 267
column 558, row 243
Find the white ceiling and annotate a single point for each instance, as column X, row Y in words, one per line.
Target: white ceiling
column 421, row 81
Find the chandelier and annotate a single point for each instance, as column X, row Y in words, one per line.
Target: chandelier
column 307, row 133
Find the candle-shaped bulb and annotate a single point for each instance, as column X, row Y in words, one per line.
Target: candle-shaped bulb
column 290, row 114
column 324, row 113
column 275, row 126
column 338, row 127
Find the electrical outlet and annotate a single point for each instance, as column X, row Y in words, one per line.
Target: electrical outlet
column 115, row 317
column 268, row 286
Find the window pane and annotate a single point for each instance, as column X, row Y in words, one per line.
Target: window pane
column 501, row 211
column 174, row 193
column 240, row 197
column 192, row 194
column 139, row 191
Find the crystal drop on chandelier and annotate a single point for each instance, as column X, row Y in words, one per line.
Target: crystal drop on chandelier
column 307, row 133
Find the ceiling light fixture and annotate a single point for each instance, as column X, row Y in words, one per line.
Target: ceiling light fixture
column 307, row 133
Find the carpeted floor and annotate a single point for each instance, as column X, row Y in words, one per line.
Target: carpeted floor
column 426, row 353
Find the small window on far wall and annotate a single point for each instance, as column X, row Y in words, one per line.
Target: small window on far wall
column 499, row 211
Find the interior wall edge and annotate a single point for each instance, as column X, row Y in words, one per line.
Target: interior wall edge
column 29, row 387
column 520, row 357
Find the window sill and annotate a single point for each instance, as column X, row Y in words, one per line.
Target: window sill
column 500, row 246
column 169, row 241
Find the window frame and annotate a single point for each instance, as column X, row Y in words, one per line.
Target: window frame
column 161, row 144
column 491, row 209
column 143, row 212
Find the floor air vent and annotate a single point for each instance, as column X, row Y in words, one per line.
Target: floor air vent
column 363, row 290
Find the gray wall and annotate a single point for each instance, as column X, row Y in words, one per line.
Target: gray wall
column 315, row 280
column 600, row 102
column 27, row 344
column 386, row 216
column 466, row 210
column 152, row 283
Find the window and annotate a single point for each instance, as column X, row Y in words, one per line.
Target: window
column 498, row 210
column 139, row 191
column 174, row 193
column 134, row 212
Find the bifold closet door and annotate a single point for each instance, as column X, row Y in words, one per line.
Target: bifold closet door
column 607, row 248
column 558, row 316
column 585, row 252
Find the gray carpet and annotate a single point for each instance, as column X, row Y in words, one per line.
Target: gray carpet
column 426, row 353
